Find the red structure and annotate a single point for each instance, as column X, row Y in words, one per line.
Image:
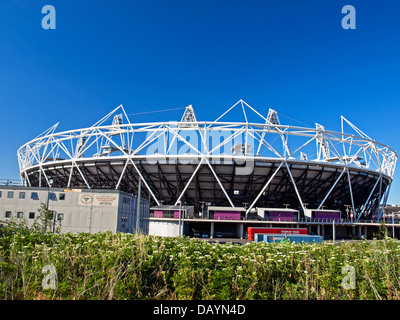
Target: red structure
column 253, row 230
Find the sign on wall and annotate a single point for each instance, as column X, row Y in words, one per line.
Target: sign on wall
column 98, row 200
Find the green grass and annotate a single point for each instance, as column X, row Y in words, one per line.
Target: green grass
column 123, row 266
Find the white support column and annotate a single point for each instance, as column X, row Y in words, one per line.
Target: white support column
column 73, row 163
column 220, row 184
column 144, row 181
column 385, row 197
column 83, row 177
column 212, row 230
column 366, row 202
column 70, row 175
column 27, row 179
column 331, row 189
column 263, row 189
column 122, row 174
column 45, row 176
column 351, row 192
column 295, row 187
column 189, row 182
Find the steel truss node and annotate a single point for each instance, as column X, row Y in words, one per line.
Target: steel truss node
column 262, row 163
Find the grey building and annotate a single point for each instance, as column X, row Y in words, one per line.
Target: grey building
column 76, row 210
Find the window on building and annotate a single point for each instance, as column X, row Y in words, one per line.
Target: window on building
column 61, row 196
column 31, row 215
column 7, row 214
column 0, row 194
column 52, row 196
column 60, row 216
column 22, row 195
column 20, row 214
column 10, row 194
column 34, row 196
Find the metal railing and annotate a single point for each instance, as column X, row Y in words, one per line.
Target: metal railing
column 388, row 221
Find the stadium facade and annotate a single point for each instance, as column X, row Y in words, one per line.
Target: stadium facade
column 241, row 166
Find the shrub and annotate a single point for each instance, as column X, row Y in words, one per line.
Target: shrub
column 125, row 266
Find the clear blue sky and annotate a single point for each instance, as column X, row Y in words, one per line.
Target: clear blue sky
column 148, row 55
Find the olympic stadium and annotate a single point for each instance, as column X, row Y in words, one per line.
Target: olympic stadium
column 233, row 164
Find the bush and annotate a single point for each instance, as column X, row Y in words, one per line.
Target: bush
column 124, row 266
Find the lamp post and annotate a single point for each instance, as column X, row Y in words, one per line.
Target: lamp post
column 347, row 212
column 180, row 219
column 138, row 206
column 202, row 208
column 245, row 206
column 392, row 225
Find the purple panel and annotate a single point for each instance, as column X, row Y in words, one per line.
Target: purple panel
column 158, row 214
column 280, row 216
column 327, row 216
column 226, row 215
column 176, row 214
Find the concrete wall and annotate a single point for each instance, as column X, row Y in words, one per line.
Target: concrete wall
column 164, row 228
column 77, row 210
column 87, row 211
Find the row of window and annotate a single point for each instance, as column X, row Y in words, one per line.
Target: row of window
column 31, row 215
column 34, row 195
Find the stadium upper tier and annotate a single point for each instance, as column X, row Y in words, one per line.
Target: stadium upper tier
column 256, row 163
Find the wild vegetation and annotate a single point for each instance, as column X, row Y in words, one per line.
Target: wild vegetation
column 125, row 266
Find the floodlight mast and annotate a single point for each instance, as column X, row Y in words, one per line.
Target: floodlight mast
column 188, row 118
